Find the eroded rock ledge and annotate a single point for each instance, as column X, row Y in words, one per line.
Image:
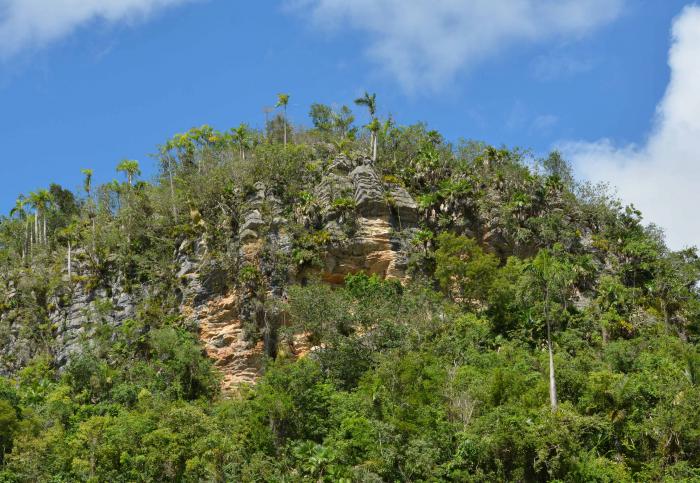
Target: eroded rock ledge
column 372, row 237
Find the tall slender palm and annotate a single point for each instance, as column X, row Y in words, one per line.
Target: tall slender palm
column 18, row 209
column 374, row 128
column 130, row 168
column 69, row 235
column 283, row 101
column 553, row 279
column 241, row 136
column 87, row 186
column 87, row 181
column 370, row 101
column 45, row 200
column 33, row 200
column 21, row 213
column 39, row 201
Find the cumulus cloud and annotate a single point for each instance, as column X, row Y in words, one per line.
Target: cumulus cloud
column 661, row 176
column 27, row 24
column 425, row 43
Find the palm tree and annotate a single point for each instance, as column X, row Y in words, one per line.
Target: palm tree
column 553, row 279
column 130, row 168
column 33, row 200
column 39, row 201
column 282, row 101
column 87, row 182
column 21, row 213
column 374, row 128
column 241, row 136
column 18, row 209
column 370, row 101
column 69, row 234
column 87, row 186
column 45, row 200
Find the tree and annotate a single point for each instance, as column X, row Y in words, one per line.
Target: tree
column 463, row 270
column 374, row 128
column 18, row 209
column 551, row 279
column 328, row 121
column 343, row 120
column 130, row 168
column 283, row 101
column 557, row 167
column 21, row 213
column 87, row 181
column 40, row 201
column 322, row 117
column 370, row 101
column 87, row 186
column 46, row 199
column 241, row 137
column 69, row 235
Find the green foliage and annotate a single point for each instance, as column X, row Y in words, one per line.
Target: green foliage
column 463, row 270
column 361, row 285
column 443, row 377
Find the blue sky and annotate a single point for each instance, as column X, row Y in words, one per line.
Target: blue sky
column 87, row 88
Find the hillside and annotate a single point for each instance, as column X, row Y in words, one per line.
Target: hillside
column 344, row 304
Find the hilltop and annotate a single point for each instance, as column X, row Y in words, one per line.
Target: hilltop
column 344, row 303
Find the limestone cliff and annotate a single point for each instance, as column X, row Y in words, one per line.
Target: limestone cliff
column 360, row 223
column 240, row 327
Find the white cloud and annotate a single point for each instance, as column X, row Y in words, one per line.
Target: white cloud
column 662, row 176
column 425, row 43
column 27, row 24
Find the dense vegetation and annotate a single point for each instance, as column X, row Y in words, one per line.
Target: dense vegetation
column 518, row 273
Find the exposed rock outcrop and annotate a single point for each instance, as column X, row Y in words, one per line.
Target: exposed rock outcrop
column 382, row 221
column 223, row 337
column 67, row 324
column 368, row 223
column 74, row 323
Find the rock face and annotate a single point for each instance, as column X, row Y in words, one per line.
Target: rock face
column 221, row 332
column 383, row 222
column 369, row 224
column 228, row 323
column 72, row 319
column 364, row 224
column 16, row 346
column 73, row 324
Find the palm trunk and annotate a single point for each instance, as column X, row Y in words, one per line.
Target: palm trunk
column 28, row 237
column 285, row 126
column 172, row 188
column 552, row 379
column 374, row 148
column 69, row 263
column 46, row 238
